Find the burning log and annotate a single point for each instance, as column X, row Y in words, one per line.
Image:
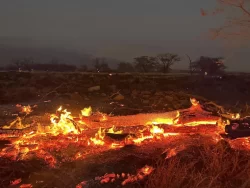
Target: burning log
column 121, row 136
column 238, row 128
column 188, row 117
column 18, row 132
column 64, row 122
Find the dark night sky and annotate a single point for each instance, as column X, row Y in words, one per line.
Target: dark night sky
column 121, row 29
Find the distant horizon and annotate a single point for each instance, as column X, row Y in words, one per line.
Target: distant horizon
column 78, row 51
column 120, row 30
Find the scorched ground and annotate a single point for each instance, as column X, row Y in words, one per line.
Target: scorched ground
column 93, row 149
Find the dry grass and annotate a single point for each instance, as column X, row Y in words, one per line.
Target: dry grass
column 203, row 166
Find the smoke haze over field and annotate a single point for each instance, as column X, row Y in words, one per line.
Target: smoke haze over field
column 116, row 29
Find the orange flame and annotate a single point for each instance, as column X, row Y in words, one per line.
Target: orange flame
column 156, row 130
column 167, row 121
column 112, row 130
column 63, row 124
column 86, row 112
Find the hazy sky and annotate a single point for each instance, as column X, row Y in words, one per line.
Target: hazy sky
column 122, row 29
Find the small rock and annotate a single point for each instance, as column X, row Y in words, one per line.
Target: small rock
column 118, row 97
column 94, row 88
column 103, row 95
column 145, row 101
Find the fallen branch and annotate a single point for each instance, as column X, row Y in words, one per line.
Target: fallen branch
column 53, row 91
column 216, row 105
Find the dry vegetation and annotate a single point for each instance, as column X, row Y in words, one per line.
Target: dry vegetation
column 203, row 166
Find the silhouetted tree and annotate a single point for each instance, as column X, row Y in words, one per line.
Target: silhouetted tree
column 97, row 63
column 104, row 67
column 125, row 67
column 101, row 65
column 145, row 63
column 166, row 61
column 54, row 61
column 24, row 63
column 83, row 68
column 28, row 64
column 237, row 26
column 190, row 65
column 209, row 65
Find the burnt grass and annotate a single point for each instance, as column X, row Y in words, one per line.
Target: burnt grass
column 201, row 164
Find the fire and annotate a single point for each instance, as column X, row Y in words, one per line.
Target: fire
column 99, row 137
column 194, row 102
column 162, row 121
column 116, row 145
column 196, row 123
column 167, row 121
column 146, row 170
column 142, row 138
column 156, row 130
column 112, row 130
column 59, row 109
column 67, row 130
column 86, row 112
column 24, row 109
column 236, row 116
column 97, row 141
column 104, row 117
column 63, row 124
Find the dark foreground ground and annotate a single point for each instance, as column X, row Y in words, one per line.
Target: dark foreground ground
column 199, row 161
column 141, row 92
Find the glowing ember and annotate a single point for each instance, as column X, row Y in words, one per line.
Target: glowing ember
column 16, row 182
column 116, row 145
column 112, row 130
column 236, row 116
column 141, row 174
column 167, row 121
column 196, row 123
column 86, row 112
column 104, row 117
column 141, row 139
column 26, row 186
column 59, row 109
column 127, row 178
column 99, row 137
column 24, row 109
column 66, row 130
column 194, row 102
column 156, row 130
